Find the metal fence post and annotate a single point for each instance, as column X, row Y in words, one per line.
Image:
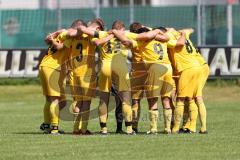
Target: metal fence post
column 203, row 25
column 199, row 23
column 229, row 25
column 97, row 5
column 59, row 15
column 131, row 9
column 1, row 25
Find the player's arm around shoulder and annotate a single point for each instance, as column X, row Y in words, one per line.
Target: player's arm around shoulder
column 53, row 35
column 73, row 33
column 57, row 45
column 176, row 41
column 187, row 30
column 182, row 39
column 88, row 31
column 148, row 35
column 162, row 36
column 123, row 38
column 104, row 37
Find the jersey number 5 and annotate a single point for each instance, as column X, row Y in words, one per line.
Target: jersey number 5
column 109, row 48
column 159, row 50
column 79, row 47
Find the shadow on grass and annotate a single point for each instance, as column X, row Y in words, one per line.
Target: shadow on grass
column 28, row 133
column 93, row 134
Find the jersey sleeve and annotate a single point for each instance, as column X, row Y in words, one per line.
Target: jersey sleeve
column 130, row 35
column 188, row 33
column 172, row 41
column 134, row 44
column 68, row 42
column 62, row 36
column 102, row 34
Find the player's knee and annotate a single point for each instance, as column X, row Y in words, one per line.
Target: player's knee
column 198, row 99
column 52, row 99
column 135, row 101
column 166, row 102
column 180, row 99
column 152, row 103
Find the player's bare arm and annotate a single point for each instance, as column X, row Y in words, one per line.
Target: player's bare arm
column 162, row 37
column 120, row 35
column 71, row 32
column 87, row 30
column 189, row 30
column 57, row 45
column 148, row 35
column 99, row 42
column 181, row 40
column 53, row 35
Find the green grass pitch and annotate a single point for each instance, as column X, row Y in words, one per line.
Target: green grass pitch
column 20, row 138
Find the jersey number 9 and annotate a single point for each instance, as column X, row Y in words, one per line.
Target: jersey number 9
column 159, row 50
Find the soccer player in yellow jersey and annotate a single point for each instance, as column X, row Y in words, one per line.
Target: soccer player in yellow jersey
column 84, row 74
column 114, row 70
column 188, row 68
column 52, row 74
column 199, row 97
column 159, row 80
column 138, row 78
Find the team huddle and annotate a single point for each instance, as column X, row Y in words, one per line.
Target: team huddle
column 164, row 65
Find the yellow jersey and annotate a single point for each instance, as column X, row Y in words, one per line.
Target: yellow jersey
column 109, row 49
column 151, row 51
column 200, row 58
column 136, row 55
column 183, row 57
column 55, row 58
column 82, row 57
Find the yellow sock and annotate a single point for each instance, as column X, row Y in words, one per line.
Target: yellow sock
column 85, row 118
column 193, row 113
column 127, row 112
column 153, row 115
column 135, row 115
column 129, row 129
column 73, row 106
column 102, row 111
column 173, row 106
column 77, row 123
column 203, row 115
column 54, row 112
column 167, row 113
column 187, row 123
column 186, row 118
column 178, row 114
column 46, row 113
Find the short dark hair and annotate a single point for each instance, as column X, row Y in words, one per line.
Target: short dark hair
column 99, row 22
column 135, row 26
column 143, row 29
column 118, row 25
column 77, row 23
column 161, row 28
